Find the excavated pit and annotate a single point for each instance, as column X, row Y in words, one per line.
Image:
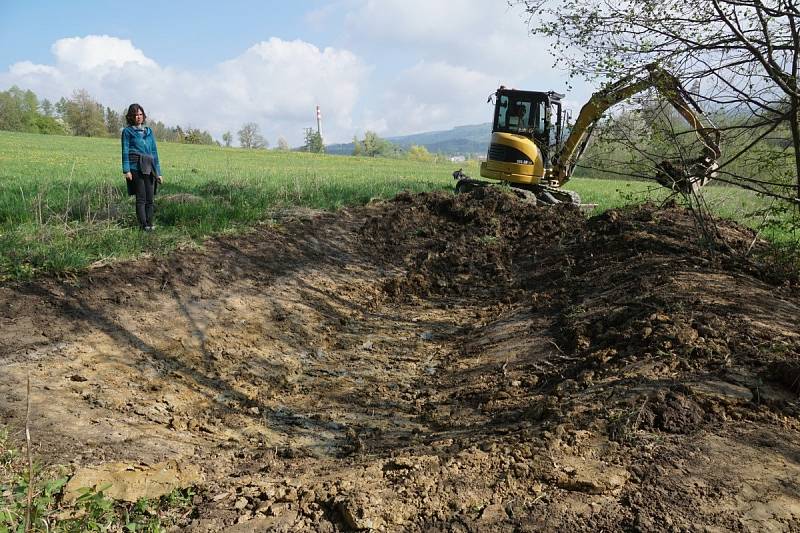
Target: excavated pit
column 433, row 362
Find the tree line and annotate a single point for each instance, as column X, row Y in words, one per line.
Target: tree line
column 372, row 145
column 80, row 115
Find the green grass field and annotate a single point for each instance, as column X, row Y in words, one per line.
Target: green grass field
column 63, row 202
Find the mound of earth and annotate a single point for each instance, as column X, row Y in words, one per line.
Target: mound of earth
column 434, row 362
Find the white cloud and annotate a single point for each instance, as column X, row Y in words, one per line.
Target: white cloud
column 433, row 64
column 480, row 34
column 26, row 68
column 98, row 51
column 463, row 50
column 434, row 95
column 274, row 83
column 284, row 80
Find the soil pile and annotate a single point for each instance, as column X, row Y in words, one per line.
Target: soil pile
column 484, row 242
column 434, row 362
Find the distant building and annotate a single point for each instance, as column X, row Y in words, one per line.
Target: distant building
column 457, row 159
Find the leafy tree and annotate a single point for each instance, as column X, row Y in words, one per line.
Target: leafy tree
column 250, row 136
column 165, row 133
column 374, row 146
column 61, row 108
column 197, row 136
column 113, row 122
column 19, row 111
column 227, row 138
column 30, row 106
column 283, row 144
column 191, row 137
column 357, row 147
column 84, row 115
column 47, row 108
column 741, row 59
column 313, row 141
column 11, row 114
column 419, row 153
column 50, row 126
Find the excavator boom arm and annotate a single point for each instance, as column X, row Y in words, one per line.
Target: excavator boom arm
column 668, row 85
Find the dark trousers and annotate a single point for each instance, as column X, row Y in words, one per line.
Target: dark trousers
column 145, row 189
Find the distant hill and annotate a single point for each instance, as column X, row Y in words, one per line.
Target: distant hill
column 461, row 140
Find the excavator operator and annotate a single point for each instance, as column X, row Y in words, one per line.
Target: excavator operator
column 516, row 117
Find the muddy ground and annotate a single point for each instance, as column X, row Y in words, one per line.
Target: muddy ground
column 469, row 363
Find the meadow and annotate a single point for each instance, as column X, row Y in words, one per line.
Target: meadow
column 64, row 205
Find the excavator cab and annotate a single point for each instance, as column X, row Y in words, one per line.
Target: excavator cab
column 530, row 114
column 526, row 132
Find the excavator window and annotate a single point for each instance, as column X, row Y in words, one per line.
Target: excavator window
column 521, row 113
column 518, row 116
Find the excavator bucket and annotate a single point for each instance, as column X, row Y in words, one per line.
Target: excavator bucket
column 685, row 177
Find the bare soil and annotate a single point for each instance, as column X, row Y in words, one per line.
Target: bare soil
column 434, row 362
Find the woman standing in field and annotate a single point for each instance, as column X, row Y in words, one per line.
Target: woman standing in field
column 140, row 164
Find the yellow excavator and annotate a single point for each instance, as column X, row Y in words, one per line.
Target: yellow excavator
column 530, row 151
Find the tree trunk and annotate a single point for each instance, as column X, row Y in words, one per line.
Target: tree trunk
column 796, row 140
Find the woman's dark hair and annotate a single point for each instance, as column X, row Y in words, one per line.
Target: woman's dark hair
column 130, row 116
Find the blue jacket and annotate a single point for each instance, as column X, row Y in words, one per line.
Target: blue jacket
column 138, row 142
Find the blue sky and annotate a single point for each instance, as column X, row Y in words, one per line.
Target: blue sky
column 390, row 66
